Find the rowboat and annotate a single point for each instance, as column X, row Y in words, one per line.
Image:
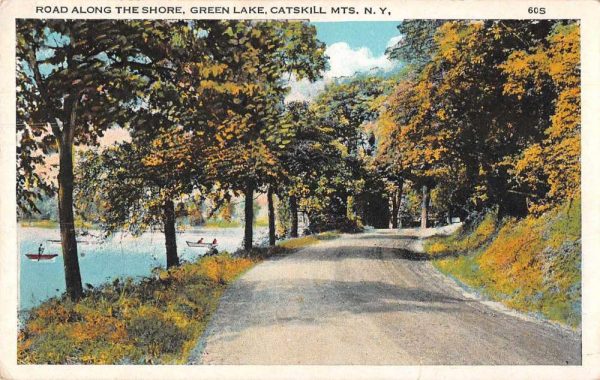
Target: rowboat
column 200, row 243
column 197, row 245
column 39, row 257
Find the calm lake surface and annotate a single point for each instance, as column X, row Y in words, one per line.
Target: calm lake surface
column 117, row 257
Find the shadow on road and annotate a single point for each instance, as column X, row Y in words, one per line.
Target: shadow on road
column 346, row 252
column 332, row 298
column 387, row 237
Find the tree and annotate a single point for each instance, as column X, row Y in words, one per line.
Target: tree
column 177, row 129
column 416, row 46
column 266, row 51
column 137, row 183
column 461, row 133
column 344, row 109
column 74, row 77
column 550, row 169
column 310, row 157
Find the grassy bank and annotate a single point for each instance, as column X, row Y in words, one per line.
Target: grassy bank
column 157, row 320
column 305, row 241
column 532, row 265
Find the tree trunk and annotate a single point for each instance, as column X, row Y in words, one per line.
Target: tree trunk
column 395, row 208
column 248, row 216
column 399, row 202
column 65, row 209
column 170, row 236
column 394, row 215
column 271, row 216
column 424, row 206
column 294, row 215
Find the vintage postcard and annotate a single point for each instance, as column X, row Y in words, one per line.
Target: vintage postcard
column 360, row 189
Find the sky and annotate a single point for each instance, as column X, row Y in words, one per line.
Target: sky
column 352, row 47
column 372, row 35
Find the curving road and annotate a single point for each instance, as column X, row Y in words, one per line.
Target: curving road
column 370, row 299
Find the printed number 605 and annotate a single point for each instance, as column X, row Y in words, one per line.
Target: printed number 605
column 536, row 10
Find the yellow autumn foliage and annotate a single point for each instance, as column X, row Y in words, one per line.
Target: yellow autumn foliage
column 532, row 265
column 557, row 157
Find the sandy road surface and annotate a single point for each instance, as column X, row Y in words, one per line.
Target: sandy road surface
column 369, row 299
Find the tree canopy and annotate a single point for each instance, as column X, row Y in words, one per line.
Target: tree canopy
column 482, row 114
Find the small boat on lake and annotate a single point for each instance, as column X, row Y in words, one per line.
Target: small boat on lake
column 40, row 256
column 200, row 243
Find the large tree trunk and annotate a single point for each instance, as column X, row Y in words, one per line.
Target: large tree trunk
column 65, row 208
column 248, row 216
column 271, row 216
column 424, row 206
column 170, row 235
column 294, row 215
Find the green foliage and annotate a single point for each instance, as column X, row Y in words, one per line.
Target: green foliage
column 39, row 223
column 221, row 223
column 344, row 112
column 155, row 334
column 73, row 81
column 269, row 51
column 417, row 44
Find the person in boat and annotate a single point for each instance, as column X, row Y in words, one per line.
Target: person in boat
column 41, row 249
column 214, row 242
column 200, row 241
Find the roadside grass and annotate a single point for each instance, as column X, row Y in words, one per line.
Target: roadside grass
column 156, row 320
column 532, row 265
column 287, row 246
column 305, row 241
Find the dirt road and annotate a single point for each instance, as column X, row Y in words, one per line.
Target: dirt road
column 369, row 299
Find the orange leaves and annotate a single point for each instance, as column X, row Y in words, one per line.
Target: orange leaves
column 497, row 103
column 567, row 117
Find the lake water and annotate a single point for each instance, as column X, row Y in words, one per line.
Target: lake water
column 119, row 256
